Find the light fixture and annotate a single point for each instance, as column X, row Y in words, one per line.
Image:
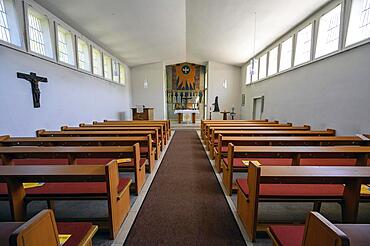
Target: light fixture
column 146, row 84
column 224, row 84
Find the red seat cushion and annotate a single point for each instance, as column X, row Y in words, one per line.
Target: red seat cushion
column 144, row 150
column 77, row 188
column 295, row 190
column 288, row 235
column 41, row 162
column 224, row 149
column 327, row 162
column 77, row 229
column 238, row 162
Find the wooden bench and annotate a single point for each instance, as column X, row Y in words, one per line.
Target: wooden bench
column 214, row 137
column 207, row 132
column 205, row 125
column 68, row 182
column 154, row 133
column 43, row 223
column 308, row 184
column 163, row 125
column 221, row 147
column 31, row 155
column 290, row 156
column 159, row 129
column 146, row 149
column 166, row 123
column 318, row 231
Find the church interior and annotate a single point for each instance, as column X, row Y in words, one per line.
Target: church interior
column 184, row 122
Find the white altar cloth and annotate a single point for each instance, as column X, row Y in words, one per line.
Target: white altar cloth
column 186, row 111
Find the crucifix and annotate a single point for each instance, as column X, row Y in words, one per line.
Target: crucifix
column 34, row 80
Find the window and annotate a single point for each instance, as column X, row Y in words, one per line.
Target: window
column 39, row 33
column 65, row 46
column 83, row 55
column 97, row 62
column 4, row 26
column 359, row 23
column 286, row 54
column 115, row 71
column 328, row 35
column 9, row 29
column 255, row 70
column 122, row 74
column 107, row 67
column 303, row 46
column 248, row 73
column 263, row 67
column 273, row 61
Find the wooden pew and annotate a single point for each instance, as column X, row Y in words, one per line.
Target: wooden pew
column 71, row 178
column 159, row 129
column 294, row 154
column 154, row 133
column 79, row 156
column 145, row 142
column 318, row 231
column 263, row 184
column 166, row 123
column 84, row 127
column 43, row 223
column 221, row 147
column 271, row 132
column 212, row 137
column 246, row 126
column 205, row 125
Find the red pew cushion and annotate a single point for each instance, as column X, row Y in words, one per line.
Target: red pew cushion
column 238, row 162
column 77, row 188
column 77, row 229
column 288, row 235
column 295, row 190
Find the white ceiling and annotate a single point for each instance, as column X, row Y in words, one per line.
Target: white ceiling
column 172, row 31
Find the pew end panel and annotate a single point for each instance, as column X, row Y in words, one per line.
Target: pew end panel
column 319, row 231
column 247, row 207
column 29, row 233
column 118, row 201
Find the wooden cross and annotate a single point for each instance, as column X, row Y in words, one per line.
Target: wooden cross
column 34, row 80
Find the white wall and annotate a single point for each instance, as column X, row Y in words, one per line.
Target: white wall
column 229, row 97
column 69, row 98
column 154, row 95
column 331, row 93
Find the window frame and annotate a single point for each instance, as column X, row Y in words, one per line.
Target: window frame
column 18, row 15
column 111, row 66
column 50, row 19
column 301, row 28
column 89, row 46
column 101, row 61
column 121, row 65
column 347, row 19
column 73, row 45
column 292, row 54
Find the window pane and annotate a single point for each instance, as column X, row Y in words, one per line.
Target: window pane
column 248, row 74
column 255, row 70
column 107, row 67
column 97, row 62
column 263, row 66
column 328, row 35
column 122, row 74
column 83, row 55
column 303, row 47
column 286, row 54
column 4, row 26
column 115, row 71
column 39, row 33
column 273, row 61
column 359, row 23
column 65, row 46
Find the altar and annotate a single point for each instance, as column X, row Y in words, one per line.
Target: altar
column 185, row 113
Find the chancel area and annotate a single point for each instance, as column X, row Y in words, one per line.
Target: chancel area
column 184, row 122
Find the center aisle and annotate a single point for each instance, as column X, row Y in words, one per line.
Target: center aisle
column 185, row 204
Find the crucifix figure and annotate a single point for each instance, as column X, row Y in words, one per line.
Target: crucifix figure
column 34, row 80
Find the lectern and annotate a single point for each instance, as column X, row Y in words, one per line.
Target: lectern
column 146, row 114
